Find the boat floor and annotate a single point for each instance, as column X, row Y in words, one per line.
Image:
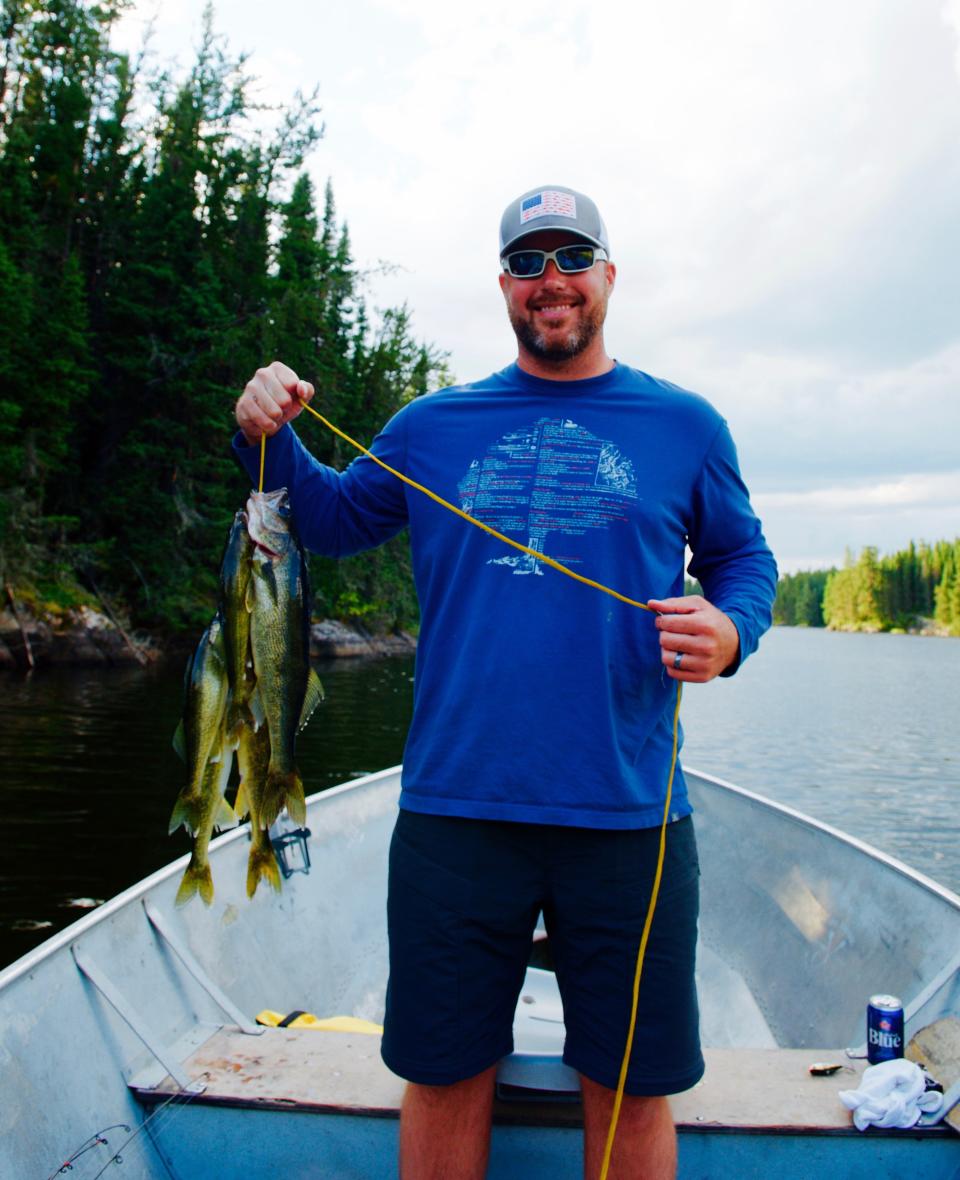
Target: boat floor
column 760, row 1090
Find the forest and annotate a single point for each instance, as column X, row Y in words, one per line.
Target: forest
column 874, row 593
column 159, row 240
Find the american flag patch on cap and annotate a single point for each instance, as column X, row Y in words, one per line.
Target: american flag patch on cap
column 550, row 201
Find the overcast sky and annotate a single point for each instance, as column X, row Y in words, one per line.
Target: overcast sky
column 781, row 184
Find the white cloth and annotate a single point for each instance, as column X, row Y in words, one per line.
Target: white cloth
column 891, row 1094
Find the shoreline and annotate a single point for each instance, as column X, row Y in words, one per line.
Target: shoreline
column 924, row 628
column 87, row 638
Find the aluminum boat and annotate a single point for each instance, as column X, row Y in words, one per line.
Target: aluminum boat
column 129, row 1046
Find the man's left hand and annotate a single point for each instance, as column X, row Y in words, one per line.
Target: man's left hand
column 705, row 638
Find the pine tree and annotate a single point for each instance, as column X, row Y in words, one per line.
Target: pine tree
column 946, row 595
column 152, row 251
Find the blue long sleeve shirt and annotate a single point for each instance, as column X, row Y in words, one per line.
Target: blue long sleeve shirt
column 539, row 699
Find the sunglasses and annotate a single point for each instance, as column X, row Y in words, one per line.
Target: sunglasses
column 569, row 260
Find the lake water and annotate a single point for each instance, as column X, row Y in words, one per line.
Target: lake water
column 858, row 730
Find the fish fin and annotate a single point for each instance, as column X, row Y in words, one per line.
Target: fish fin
column 263, row 865
column 180, row 742
column 239, row 715
column 257, row 711
column 296, row 803
column 312, row 698
column 241, row 806
column 185, row 811
column 226, row 817
column 196, row 879
column 261, row 568
column 282, row 789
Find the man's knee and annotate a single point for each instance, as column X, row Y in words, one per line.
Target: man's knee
column 466, row 1093
column 602, row 1098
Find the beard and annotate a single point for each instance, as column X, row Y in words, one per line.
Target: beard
column 561, row 347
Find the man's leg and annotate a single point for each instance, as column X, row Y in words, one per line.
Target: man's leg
column 599, row 896
column 445, row 1130
column 462, row 904
column 645, row 1145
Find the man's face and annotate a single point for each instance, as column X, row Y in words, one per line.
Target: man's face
column 556, row 316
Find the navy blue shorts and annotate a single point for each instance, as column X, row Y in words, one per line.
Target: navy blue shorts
column 463, row 902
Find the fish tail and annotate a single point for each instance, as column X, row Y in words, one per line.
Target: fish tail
column 196, row 879
column 262, row 865
column 283, row 789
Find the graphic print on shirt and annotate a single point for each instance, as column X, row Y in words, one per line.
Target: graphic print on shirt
column 550, row 478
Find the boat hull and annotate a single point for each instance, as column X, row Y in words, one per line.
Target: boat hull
column 796, row 919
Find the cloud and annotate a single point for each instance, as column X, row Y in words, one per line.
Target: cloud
column 908, row 492
column 811, row 528
column 800, row 421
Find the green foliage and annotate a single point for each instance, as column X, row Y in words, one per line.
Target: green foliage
column 154, row 251
column 891, row 593
column 873, row 593
column 799, row 601
column 947, row 592
column 375, row 586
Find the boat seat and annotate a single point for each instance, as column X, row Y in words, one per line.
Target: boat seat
column 535, row 1067
column 341, row 1073
column 729, row 1018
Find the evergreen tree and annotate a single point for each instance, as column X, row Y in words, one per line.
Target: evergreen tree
column 947, row 593
column 152, row 250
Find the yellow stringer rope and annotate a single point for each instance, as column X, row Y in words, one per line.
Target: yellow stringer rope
column 549, row 561
column 644, row 937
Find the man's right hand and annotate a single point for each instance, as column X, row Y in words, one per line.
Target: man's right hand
column 270, row 399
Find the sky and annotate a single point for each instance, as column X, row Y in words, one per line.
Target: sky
column 780, row 182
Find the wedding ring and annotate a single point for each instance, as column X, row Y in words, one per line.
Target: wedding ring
column 678, row 659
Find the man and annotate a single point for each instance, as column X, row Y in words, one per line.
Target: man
column 538, row 755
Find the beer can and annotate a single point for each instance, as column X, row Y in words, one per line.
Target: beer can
column 884, row 1029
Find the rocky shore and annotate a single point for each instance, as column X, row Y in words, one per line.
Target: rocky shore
column 332, row 640
column 82, row 637
column 85, row 637
column 921, row 625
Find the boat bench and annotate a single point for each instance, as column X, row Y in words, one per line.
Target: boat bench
column 768, row 1090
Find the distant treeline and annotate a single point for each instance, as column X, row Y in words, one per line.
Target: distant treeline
column 873, row 593
column 158, row 243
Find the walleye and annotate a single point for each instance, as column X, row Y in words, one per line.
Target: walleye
column 287, row 689
column 215, row 811
column 198, row 736
column 249, row 688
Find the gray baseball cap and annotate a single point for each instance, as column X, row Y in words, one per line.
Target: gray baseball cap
column 553, row 206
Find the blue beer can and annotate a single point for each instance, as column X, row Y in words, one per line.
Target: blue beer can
column 884, row 1029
